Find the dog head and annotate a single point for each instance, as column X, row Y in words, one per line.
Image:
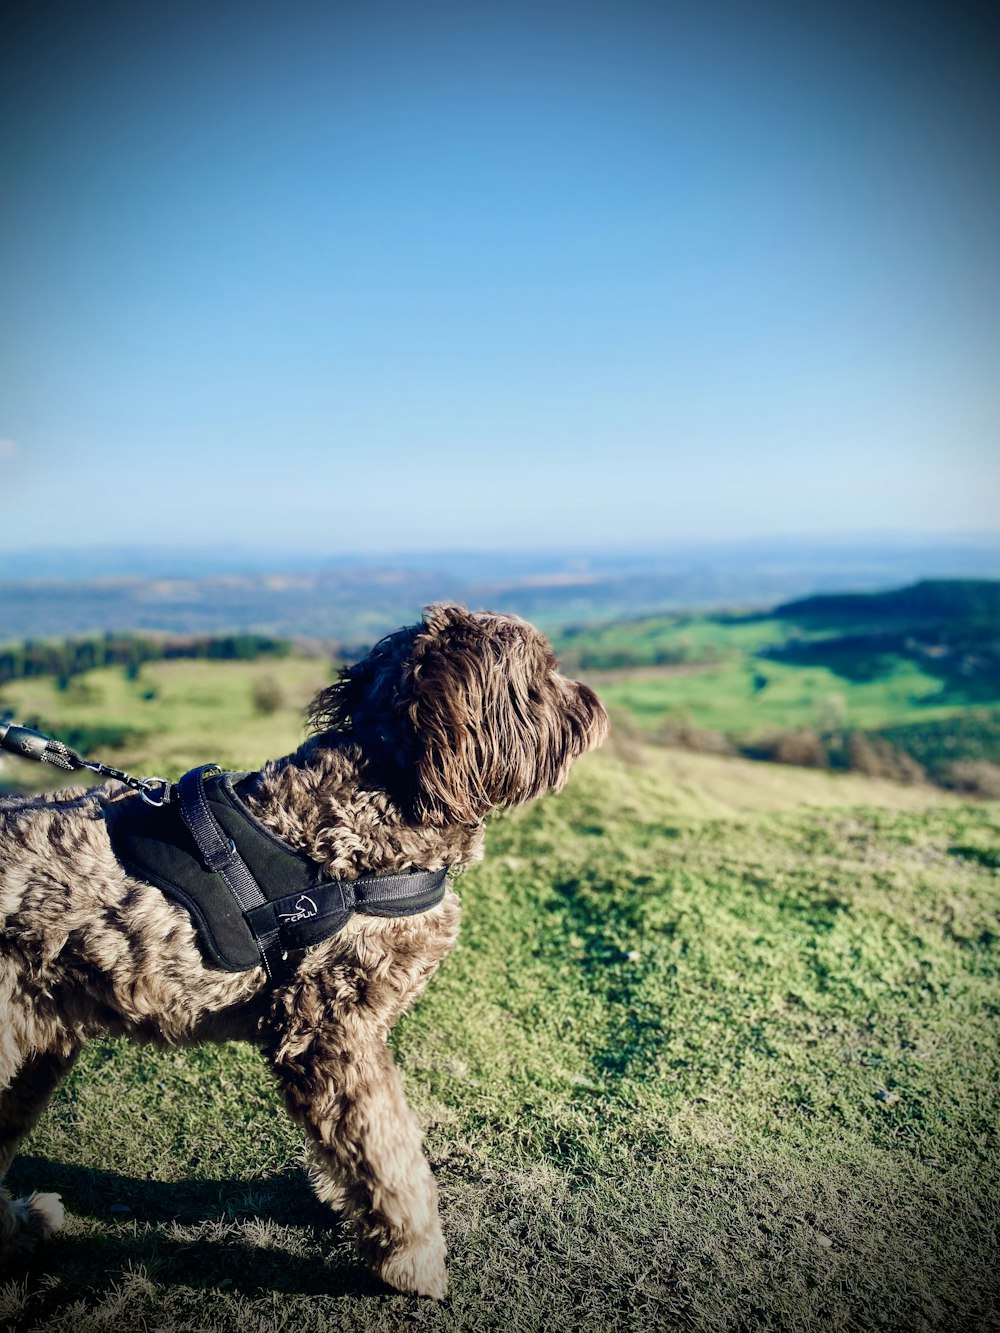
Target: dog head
column 463, row 713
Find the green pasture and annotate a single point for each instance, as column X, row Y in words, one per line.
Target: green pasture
column 175, row 714
column 707, row 673
column 719, row 1049
column 745, row 697
column 656, row 639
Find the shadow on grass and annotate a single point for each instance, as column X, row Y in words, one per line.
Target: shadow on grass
column 283, row 1197
column 229, row 1247
column 232, row 1268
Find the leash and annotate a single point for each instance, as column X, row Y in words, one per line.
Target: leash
column 30, row 744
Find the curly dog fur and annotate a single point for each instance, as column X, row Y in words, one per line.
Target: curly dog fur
column 412, row 747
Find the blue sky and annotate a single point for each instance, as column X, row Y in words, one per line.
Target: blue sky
column 381, row 276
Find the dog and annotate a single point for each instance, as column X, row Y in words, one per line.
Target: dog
column 410, row 749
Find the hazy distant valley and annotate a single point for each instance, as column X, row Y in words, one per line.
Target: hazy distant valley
column 57, row 593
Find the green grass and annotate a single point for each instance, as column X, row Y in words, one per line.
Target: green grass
column 705, row 672
column 177, row 713
column 654, row 673
column 718, row 1049
column 722, row 698
column 655, row 640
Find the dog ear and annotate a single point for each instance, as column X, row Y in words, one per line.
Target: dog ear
column 494, row 722
column 366, row 702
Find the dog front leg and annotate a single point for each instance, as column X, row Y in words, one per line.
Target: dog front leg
column 24, row 1222
column 368, row 1159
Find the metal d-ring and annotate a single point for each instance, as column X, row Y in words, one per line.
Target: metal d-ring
column 151, row 788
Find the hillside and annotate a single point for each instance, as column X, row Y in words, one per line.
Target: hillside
column 949, row 628
column 718, row 1050
column 933, row 600
column 903, row 683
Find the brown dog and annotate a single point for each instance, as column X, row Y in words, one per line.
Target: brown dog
column 440, row 724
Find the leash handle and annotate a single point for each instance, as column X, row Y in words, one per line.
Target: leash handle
column 32, row 744
column 28, row 743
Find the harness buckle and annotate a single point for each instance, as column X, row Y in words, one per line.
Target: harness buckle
column 218, row 860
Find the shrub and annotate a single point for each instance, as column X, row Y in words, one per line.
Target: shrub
column 267, row 695
column 802, row 748
column 977, row 776
column 686, row 736
column 875, row 757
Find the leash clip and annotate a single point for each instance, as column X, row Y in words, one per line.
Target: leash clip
column 155, row 791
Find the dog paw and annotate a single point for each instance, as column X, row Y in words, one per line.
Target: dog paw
column 418, row 1268
column 24, row 1223
column 40, row 1215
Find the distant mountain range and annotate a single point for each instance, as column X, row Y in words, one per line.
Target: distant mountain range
column 356, row 599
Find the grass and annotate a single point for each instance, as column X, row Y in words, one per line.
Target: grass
column 177, row 713
column 718, row 1050
column 722, row 697
column 704, row 672
column 658, row 639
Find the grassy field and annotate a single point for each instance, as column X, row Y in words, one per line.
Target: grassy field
column 719, row 1049
column 849, row 681
column 175, row 714
column 723, row 697
column 174, row 708
column 899, row 683
column 658, row 640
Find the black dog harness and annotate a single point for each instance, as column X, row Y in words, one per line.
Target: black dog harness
column 253, row 898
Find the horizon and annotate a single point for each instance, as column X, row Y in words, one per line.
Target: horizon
column 358, row 598
column 223, row 559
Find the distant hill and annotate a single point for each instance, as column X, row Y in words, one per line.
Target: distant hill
column 950, row 628
column 945, row 600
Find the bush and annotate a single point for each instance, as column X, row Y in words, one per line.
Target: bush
column 875, row 757
column 802, row 748
column 686, row 736
column 977, row 776
column 267, row 695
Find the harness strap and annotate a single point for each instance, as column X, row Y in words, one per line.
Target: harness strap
column 219, row 854
column 402, row 894
column 251, row 895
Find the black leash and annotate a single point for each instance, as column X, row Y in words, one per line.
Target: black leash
column 31, row 744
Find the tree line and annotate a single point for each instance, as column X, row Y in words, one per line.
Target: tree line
column 67, row 658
